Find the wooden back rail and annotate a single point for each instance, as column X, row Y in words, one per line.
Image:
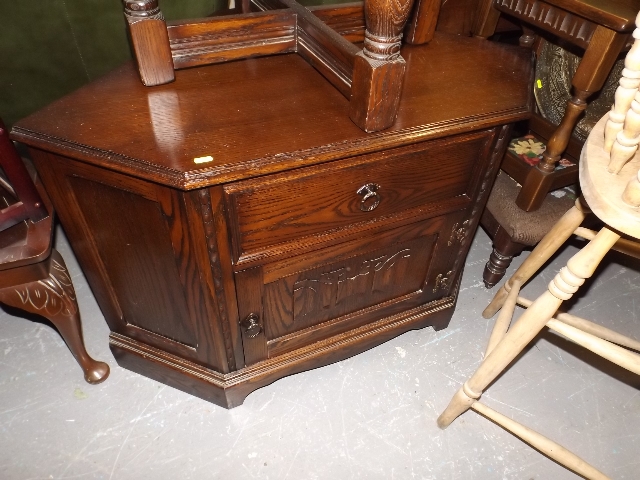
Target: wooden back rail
column 29, row 205
column 370, row 78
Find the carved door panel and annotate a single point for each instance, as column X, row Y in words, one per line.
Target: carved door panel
column 294, row 302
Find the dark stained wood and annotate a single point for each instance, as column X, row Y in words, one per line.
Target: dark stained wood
column 378, row 72
column 236, row 187
column 234, row 37
column 486, row 19
column 164, row 279
column 251, row 315
column 217, row 40
column 422, row 24
column 157, row 133
column 592, row 72
column 231, row 389
column 602, row 29
column 347, row 19
column 306, row 203
column 25, row 202
column 618, row 15
column 504, row 249
column 150, row 41
column 33, row 275
column 565, row 24
column 389, row 272
column 325, row 49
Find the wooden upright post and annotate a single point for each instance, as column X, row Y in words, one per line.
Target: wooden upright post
column 150, row 41
column 378, row 70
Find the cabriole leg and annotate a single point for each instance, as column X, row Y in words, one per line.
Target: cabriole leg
column 55, row 299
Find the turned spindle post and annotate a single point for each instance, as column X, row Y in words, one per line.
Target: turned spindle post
column 566, row 282
column 626, row 143
column 150, row 41
column 378, row 71
column 631, row 194
column 625, row 92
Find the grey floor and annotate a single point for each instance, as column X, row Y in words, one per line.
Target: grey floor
column 369, row 417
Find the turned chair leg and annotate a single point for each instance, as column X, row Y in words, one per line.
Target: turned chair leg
column 504, row 249
column 551, row 242
column 580, row 267
column 55, row 299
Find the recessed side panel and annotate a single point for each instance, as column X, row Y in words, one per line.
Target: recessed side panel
column 134, row 244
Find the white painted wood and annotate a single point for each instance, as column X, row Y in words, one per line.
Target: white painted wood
column 541, row 443
column 590, row 327
column 556, row 237
column 631, row 193
column 613, row 353
column 504, row 319
column 626, row 91
column 626, row 143
column 602, row 190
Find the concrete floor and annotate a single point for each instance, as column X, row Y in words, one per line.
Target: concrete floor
column 369, row 417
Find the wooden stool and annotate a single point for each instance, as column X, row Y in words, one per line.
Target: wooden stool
column 611, row 189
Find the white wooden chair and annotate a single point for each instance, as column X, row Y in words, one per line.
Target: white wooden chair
column 609, row 177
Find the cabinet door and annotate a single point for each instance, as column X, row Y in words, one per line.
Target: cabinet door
column 294, row 302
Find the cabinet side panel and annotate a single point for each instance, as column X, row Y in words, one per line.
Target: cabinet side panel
column 134, row 244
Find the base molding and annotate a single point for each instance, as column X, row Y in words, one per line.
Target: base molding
column 229, row 390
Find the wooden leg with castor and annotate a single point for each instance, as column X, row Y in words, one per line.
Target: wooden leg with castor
column 551, row 242
column 54, row 298
column 562, row 287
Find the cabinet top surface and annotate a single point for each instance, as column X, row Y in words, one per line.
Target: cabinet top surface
column 241, row 119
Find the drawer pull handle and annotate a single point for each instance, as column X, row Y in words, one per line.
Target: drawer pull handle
column 370, row 197
column 251, row 325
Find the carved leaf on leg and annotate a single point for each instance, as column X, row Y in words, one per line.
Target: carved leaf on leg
column 55, row 299
column 53, row 296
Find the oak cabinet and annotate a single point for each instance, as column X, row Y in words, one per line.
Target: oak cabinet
column 235, row 230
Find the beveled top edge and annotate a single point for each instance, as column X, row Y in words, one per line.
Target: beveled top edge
column 221, row 174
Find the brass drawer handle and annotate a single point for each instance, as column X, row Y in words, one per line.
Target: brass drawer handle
column 370, row 197
column 251, row 325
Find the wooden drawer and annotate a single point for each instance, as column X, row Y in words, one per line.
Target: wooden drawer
column 432, row 177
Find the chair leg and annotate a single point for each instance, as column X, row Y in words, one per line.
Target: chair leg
column 54, row 298
column 504, row 249
column 562, row 287
column 553, row 240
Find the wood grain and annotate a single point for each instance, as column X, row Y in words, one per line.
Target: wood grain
column 150, row 41
column 295, row 123
column 241, row 185
column 286, row 207
column 217, row 40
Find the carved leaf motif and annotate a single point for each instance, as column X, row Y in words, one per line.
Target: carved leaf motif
column 54, row 295
column 332, row 288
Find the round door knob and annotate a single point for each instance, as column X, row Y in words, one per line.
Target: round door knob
column 251, row 325
column 370, row 196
